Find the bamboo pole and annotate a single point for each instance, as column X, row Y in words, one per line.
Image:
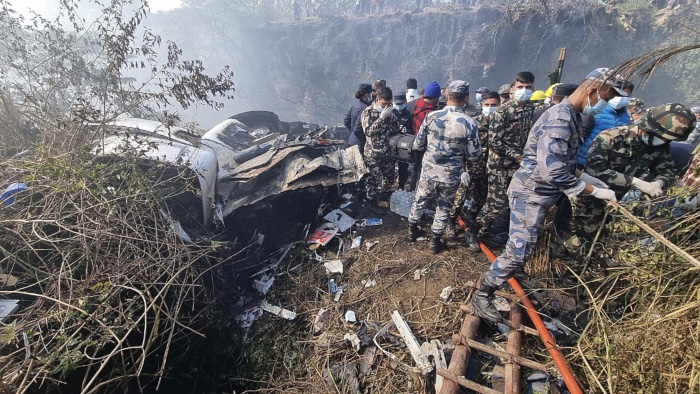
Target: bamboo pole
column 515, row 343
column 692, row 260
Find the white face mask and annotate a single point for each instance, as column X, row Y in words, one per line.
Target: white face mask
column 618, row 102
column 656, row 141
column 522, row 94
column 488, row 110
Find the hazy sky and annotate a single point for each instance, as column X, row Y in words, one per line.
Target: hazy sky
column 48, row 7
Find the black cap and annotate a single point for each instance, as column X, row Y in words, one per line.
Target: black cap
column 365, row 88
column 565, row 89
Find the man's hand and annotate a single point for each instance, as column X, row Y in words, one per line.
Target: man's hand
column 653, row 189
column 386, row 113
column 593, row 181
column 603, row 194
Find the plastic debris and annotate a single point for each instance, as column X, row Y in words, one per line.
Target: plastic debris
column 249, row 316
column 8, row 195
column 277, row 311
column 501, row 304
column 339, row 293
column 321, row 320
column 332, row 286
column 446, row 293
column 264, row 284
column 369, row 283
column 333, row 267
column 350, row 317
column 419, row 273
column 371, row 222
column 8, row 307
column 354, row 340
column 323, row 234
column 370, row 245
column 421, row 239
column 341, row 219
column 356, row 242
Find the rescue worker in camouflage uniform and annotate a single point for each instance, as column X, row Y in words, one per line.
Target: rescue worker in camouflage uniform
column 449, row 138
column 378, row 122
column 475, row 188
column 508, row 129
column 620, row 157
column 548, row 169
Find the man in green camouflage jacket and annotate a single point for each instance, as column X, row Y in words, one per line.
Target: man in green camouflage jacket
column 620, row 157
column 508, row 131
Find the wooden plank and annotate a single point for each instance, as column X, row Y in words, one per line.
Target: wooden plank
column 466, row 383
column 416, row 352
column 505, row 355
column 515, row 342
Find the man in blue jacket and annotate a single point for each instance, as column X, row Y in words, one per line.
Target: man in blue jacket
column 614, row 115
column 352, row 119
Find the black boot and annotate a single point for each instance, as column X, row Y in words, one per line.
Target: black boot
column 482, row 301
column 413, row 232
column 436, row 244
column 472, row 241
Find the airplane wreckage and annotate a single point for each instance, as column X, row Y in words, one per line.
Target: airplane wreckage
column 243, row 160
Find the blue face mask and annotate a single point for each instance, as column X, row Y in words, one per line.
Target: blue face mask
column 596, row 109
column 400, row 107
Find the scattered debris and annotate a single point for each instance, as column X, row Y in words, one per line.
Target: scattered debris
column 264, row 284
column 367, row 283
column 339, row 293
column 356, row 242
column 8, row 280
column 8, row 195
column 332, row 286
column 416, row 352
column 277, row 311
column 350, row 317
column 248, row 317
column 370, row 245
column 434, row 349
column 421, row 239
column 323, row 234
column 354, row 340
column 341, row 219
column 321, row 320
column 333, row 267
column 419, row 273
column 7, row 307
column 446, row 293
column 370, row 222
column 501, row 304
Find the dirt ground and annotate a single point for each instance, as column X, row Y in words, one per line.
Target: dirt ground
column 288, row 356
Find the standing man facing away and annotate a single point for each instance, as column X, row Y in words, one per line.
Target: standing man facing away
column 448, row 137
column 508, row 130
column 363, row 94
column 548, row 169
column 379, row 121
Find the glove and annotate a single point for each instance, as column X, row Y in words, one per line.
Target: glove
column 603, row 194
column 465, row 178
column 653, row 189
column 593, row 181
column 385, row 113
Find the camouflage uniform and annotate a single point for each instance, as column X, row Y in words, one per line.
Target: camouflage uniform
column 448, row 137
column 508, row 131
column 476, row 189
column 548, row 167
column 616, row 157
column 381, row 175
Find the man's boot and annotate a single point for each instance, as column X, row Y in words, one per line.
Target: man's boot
column 436, row 244
column 413, row 232
column 482, row 301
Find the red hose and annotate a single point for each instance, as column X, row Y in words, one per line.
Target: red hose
column 549, row 343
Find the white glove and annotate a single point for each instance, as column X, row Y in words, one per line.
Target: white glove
column 465, row 178
column 603, row 194
column 386, row 113
column 593, row 181
column 653, row 189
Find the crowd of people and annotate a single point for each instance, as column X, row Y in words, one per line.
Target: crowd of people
column 516, row 152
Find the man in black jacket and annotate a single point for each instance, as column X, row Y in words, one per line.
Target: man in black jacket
column 352, row 119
